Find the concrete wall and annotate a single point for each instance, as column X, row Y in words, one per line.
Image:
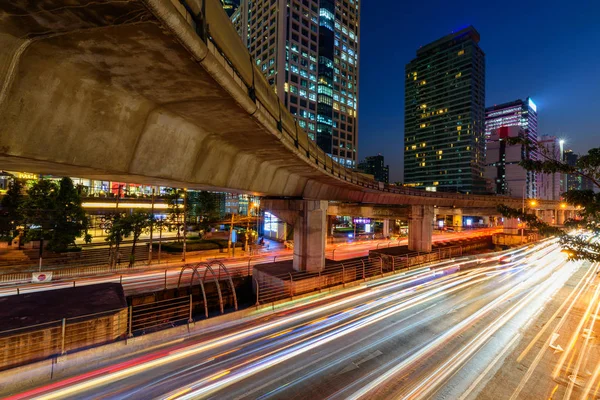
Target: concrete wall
column 33, row 344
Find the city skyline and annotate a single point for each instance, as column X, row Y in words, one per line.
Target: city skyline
column 535, row 68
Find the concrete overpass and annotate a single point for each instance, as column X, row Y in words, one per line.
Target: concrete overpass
column 164, row 92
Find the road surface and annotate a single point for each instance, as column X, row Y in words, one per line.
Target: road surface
column 432, row 334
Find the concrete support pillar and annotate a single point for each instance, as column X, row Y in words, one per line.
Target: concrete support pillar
column 511, row 226
column 386, row 227
column 309, row 236
column 309, row 218
column 420, row 228
column 560, row 217
column 549, row 217
column 330, row 223
column 457, row 222
column 486, row 221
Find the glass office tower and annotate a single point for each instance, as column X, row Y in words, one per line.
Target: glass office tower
column 308, row 51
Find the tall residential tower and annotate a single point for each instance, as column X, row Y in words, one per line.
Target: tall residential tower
column 308, row 51
column 445, row 115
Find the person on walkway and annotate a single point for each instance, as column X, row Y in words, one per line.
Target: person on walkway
column 118, row 258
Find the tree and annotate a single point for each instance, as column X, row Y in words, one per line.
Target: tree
column 580, row 234
column 204, row 208
column 135, row 224
column 70, row 219
column 54, row 211
column 12, row 215
column 116, row 229
column 176, row 211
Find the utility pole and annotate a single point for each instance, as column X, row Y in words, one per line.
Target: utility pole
column 230, row 235
column 161, row 226
column 184, row 222
column 151, row 229
column 523, row 212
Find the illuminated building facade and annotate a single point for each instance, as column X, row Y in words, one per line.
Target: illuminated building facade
column 521, row 113
column 308, row 51
column 444, row 146
column 502, row 162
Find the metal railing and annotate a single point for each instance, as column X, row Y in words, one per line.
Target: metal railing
column 271, row 288
column 19, row 346
column 150, row 317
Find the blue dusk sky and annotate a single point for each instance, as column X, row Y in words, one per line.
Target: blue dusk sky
column 548, row 50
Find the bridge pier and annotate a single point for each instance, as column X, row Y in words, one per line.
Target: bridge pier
column 457, row 222
column 386, row 228
column 420, row 228
column 511, row 226
column 309, row 218
column 560, row 217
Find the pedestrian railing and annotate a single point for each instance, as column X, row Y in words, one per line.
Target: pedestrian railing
column 162, row 314
column 272, row 288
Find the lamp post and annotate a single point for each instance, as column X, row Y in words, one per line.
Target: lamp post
column 151, row 229
column 523, row 212
column 184, row 223
column 563, row 177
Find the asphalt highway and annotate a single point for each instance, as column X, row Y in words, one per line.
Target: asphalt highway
column 433, row 333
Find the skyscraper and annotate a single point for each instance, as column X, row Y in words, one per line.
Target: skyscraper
column 444, row 115
column 521, row 113
column 308, row 51
column 375, row 165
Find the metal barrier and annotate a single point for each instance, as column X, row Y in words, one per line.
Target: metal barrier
column 27, row 344
column 290, row 284
column 160, row 314
column 287, row 285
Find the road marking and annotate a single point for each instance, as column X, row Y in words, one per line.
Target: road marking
column 552, row 318
column 489, row 367
column 555, row 347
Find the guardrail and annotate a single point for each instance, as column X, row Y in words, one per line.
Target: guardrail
column 134, row 280
column 23, row 345
column 150, row 317
column 271, row 288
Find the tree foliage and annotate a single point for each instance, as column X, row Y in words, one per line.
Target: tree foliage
column 579, row 238
column 12, row 214
column 135, row 224
column 53, row 211
column 203, row 208
column 176, row 211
